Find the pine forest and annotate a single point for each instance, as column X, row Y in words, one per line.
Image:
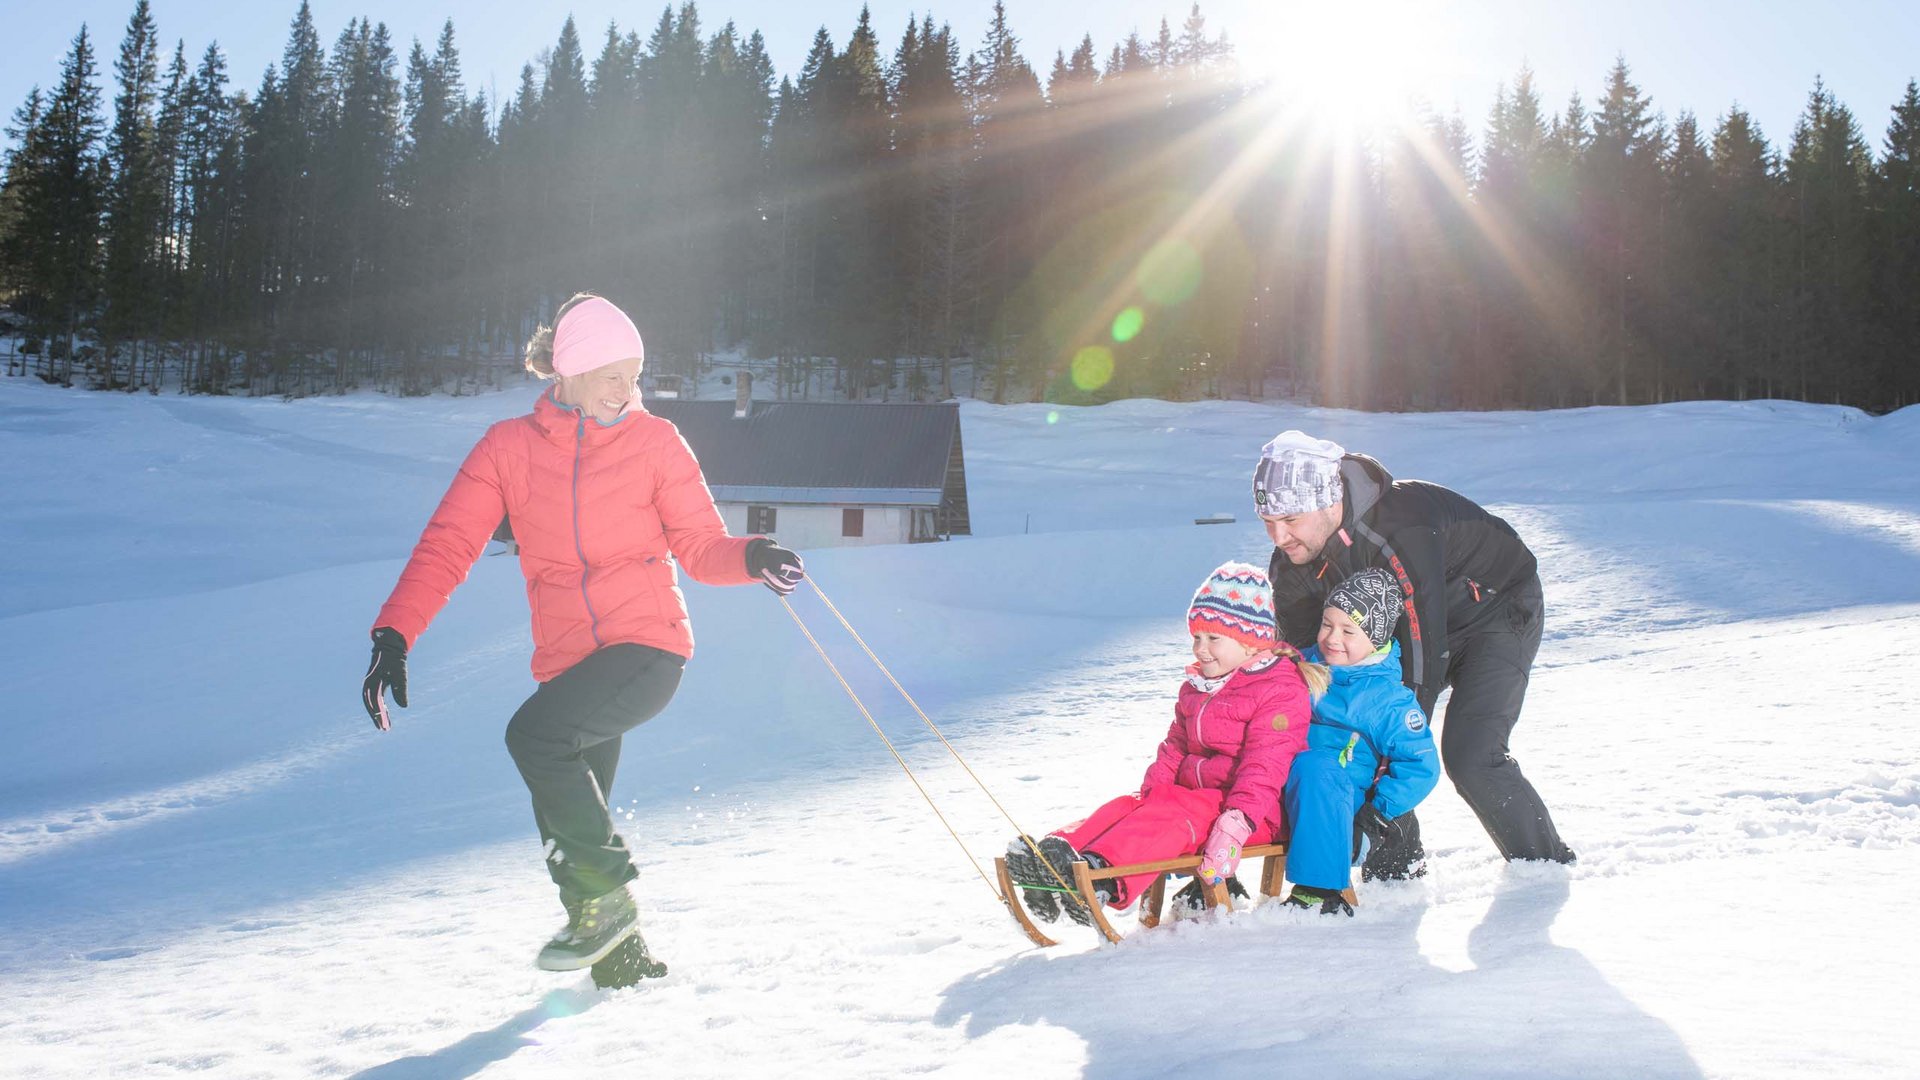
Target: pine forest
column 909, row 213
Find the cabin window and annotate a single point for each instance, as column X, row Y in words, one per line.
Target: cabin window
column 760, row 519
column 853, row 522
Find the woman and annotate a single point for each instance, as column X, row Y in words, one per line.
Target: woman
column 601, row 495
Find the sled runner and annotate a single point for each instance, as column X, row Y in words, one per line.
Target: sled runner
column 1273, row 872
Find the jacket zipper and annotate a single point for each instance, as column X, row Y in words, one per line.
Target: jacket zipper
column 579, row 447
column 1195, row 728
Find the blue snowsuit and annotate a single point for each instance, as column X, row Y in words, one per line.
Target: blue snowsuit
column 1365, row 720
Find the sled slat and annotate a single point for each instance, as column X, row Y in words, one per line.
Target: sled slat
column 1184, row 862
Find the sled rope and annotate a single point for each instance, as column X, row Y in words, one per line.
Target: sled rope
column 858, row 704
column 931, row 726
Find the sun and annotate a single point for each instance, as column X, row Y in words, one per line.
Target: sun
column 1347, row 68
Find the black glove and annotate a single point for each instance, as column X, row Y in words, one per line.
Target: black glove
column 779, row 568
column 387, row 672
column 1382, row 831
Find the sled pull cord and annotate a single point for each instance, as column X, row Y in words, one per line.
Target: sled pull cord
column 931, row 726
column 844, row 685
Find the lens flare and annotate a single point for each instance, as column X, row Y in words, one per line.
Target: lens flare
column 1127, row 324
column 1053, row 416
column 1092, row 367
column 1170, row 272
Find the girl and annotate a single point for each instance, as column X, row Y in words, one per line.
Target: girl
column 1370, row 754
column 605, row 500
column 1214, row 787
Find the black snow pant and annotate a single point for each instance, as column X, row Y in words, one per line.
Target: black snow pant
column 566, row 741
column 1488, row 670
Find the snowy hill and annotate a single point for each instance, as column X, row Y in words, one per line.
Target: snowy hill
column 210, row 862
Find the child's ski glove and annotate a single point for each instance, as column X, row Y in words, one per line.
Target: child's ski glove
column 1221, row 857
column 1381, row 830
column 387, row 672
column 779, row 568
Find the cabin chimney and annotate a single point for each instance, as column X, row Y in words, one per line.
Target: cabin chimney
column 742, row 394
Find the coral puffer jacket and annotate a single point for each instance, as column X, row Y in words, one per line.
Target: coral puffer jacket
column 1241, row 737
column 601, row 513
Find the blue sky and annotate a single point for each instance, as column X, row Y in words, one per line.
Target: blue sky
column 1701, row 55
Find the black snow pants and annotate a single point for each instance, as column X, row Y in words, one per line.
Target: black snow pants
column 566, row 741
column 1488, row 670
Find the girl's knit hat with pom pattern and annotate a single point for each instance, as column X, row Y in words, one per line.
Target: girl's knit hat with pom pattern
column 1235, row 601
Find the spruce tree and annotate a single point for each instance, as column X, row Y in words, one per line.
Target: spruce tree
column 210, row 159
column 1747, row 308
column 1827, row 171
column 1896, row 220
column 21, row 236
column 1006, row 100
column 176, row 101
column 67, row 201
column 136, row 200
column 1682, row 333
column 1623, row 186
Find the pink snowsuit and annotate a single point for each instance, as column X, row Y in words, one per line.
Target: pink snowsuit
column 1227, row 750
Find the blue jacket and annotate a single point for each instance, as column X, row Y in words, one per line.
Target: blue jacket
column 1369, row 717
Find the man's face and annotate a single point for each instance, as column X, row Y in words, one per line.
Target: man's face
column 1302, row 536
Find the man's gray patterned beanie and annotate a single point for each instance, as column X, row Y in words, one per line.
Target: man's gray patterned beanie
column 1297, row 473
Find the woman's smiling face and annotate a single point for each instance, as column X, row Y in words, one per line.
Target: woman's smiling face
column 602, row 393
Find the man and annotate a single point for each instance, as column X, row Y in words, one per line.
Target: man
column 1473, row 615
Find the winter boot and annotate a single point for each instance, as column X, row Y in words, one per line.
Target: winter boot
column 1040, row 890
column 1328, row 901
column 1394, row 861
column 1188, row 902
column 594, row 928
column 1061, row 856
column 627, row 964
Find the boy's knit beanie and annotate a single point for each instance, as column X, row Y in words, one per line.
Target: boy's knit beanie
column 1371, row 598
column 1235, row 601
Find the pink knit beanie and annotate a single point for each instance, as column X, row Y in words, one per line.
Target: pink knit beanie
column 594, row 333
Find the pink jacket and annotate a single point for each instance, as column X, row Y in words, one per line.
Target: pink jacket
column 602, row 512
column 1241, row 738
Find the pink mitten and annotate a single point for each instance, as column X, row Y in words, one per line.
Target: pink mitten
column 1221, row 857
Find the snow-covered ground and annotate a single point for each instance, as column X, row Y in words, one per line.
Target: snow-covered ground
column 210, row 862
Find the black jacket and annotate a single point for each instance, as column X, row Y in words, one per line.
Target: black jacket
column 1456, row 564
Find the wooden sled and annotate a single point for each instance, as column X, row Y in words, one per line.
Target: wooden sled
column 1273, row 873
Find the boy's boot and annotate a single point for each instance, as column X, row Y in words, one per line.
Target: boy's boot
column 1326, row 901
column 1188, row 902
column 1061, row 856
column 1039, row 890
column 594, row 928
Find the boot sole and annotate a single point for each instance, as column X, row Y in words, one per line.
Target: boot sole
column 1060, row 856
column 579, row 962
column 1026, row 871
column 628, row 965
